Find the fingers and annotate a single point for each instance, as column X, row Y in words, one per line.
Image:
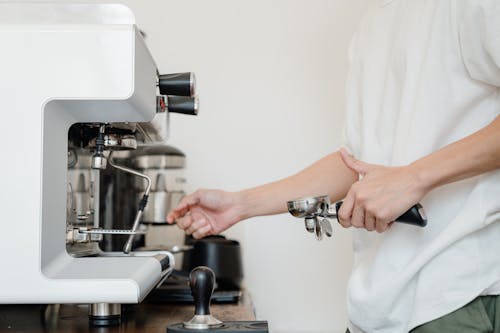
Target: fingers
column 381, row 226
column 183, row 207
column 202, row 232
column 370, row 222
column 345, row 211
column 198, row 223
column 358, row 217
column 185, row 222
column 353, row 213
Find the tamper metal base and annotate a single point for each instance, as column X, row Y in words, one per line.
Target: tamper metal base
column 227, row 327
column 203, row 322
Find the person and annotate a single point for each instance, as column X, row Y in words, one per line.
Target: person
column 422, row 126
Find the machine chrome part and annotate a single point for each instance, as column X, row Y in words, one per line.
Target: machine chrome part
column 113, row 232
column 120, row 142
column 82, row 235
column 99, row 162
column 192, row 84
column 98, row 159
column 105, row 314
column 160, row 161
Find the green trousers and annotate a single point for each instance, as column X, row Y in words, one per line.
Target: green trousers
column 482, row 315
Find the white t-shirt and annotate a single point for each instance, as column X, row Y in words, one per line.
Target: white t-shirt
column 425, row 73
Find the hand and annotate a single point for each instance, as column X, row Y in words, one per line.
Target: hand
column 382, row 195
column 206, row 212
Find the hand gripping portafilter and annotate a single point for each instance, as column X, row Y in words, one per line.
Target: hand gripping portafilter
column 316, row 212
column 202, row 281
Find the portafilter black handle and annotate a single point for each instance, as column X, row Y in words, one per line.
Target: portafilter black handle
column 202, row 283
column 414, row 216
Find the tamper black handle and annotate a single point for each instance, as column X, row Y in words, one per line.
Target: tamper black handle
column 414, row 216
column 202, row 282
column 182, row 104
column 178, row 84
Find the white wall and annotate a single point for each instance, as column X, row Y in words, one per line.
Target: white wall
column 271, row 77
column 271, row 81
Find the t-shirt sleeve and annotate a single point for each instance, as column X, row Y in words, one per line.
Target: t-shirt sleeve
column 479, row 33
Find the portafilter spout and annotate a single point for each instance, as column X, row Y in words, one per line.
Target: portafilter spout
column 310, row 209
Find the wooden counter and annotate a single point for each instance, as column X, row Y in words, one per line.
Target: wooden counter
column 145, row 317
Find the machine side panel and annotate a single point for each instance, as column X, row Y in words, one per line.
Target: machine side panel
column 53, row 77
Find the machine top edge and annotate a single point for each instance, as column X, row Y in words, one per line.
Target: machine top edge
column 64, row 13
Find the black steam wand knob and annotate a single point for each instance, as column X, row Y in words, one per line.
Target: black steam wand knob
column 202, row 283
column 178, row 84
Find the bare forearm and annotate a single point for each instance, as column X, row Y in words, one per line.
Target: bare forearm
column 471, row 156
column 327, row 176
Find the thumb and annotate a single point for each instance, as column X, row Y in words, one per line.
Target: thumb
column 356, row 165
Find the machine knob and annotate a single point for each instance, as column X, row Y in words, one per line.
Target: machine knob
column 179, row 84
column 182, row 104
column 202, row 282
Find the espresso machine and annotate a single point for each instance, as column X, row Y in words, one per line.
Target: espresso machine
column 78, row 88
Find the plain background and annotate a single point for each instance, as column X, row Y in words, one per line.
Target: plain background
column 271, row 79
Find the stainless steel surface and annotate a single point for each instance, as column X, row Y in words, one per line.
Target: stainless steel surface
column 307, row 207
column 159, row 162
column 128, row 245
column 173, row 249
column 105, row 309
column 99, row 162
column 196, row 104
column 159, row 205
column 316, row 211
column 327, row 227
column 310, row 223
column 117, row 142
column 120, row 142
column 318, row 230
column 192, row 84
column 112, row 232
column 202, row 322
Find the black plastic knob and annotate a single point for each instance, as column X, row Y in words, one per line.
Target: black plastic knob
column 414, row 216
column 202, row 283
column 182, row 104
column 179, row 84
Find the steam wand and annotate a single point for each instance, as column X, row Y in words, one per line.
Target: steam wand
column 142, row 204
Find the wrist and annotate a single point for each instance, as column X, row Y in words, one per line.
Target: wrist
column 242, row 203
column 423, row 176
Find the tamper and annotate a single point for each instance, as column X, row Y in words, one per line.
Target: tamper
column 202, row 282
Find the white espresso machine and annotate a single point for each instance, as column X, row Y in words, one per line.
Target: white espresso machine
column 77, row 84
